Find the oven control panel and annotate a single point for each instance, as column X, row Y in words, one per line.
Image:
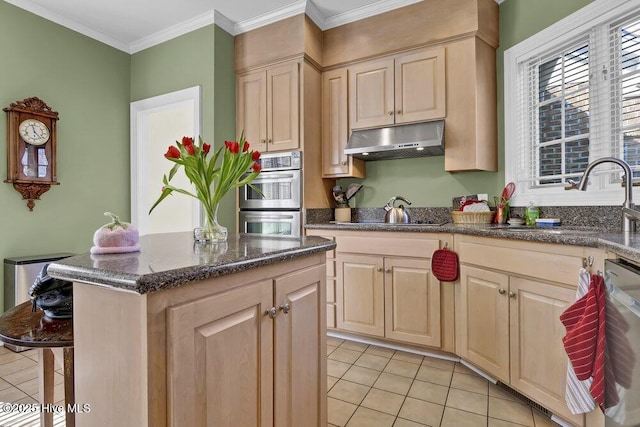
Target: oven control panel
column 281, row 161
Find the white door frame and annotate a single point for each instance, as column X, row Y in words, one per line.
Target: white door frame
column 140, row 148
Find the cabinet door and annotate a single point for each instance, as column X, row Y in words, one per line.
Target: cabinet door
column 252, row 109
column 420, row 86
column 538, row 359
column 283, row 100
column 335, row 128
column 412, row 301
column 220, row 359
column 360, row 294
column 300, row 344
column 482, row 335
column 371, row 89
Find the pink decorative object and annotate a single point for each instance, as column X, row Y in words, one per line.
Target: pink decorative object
column 115, row 237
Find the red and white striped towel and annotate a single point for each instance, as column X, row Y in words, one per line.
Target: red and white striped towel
column 585, row 341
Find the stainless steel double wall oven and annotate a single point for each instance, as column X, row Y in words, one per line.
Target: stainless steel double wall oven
column 278, row 211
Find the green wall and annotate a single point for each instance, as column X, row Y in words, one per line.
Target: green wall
column 87, row 82
column 203, row 57
column 423, row 180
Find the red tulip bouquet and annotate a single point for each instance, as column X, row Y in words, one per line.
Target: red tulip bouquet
column 210, row 179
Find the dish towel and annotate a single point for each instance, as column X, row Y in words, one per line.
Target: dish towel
column 577, row 396
column 585, row 340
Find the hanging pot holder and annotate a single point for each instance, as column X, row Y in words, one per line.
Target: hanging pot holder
column 444, row 265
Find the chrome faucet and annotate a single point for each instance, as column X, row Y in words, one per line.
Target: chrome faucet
column 629, row 214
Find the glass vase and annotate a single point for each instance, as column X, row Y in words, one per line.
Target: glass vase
column 210, row 231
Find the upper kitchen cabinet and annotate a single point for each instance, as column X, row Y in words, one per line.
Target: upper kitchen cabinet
column 402, row 89
column 268, row 107
column 335, row 128
column 425, row 61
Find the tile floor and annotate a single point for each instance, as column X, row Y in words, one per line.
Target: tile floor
column 368, row 386
column 371, row 386
column 19, row 384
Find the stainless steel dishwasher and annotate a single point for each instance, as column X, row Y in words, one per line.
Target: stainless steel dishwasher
column 623, row 343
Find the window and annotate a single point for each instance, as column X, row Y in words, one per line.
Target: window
column 572, row 95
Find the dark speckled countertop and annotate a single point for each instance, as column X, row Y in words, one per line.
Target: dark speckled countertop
column 624, row 245
column 172, row 259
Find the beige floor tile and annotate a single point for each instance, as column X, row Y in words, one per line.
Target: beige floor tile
column 344, row 355
column 541, row 420
column 404, row 369
column 331, row 381
column 456, row 418
column 496, row 391
column 11, row 395
column 468, row 401
column 4, row 384
column 330, row 348
column 27, row 400
column 406, row 423
column 331, row 425
column 4, row 350
column 349, row 392
column 434, row 375
column 421, row 412
column 372, row 361
column 393, row 383
column 459, row 367
column 352, row 345
column 408, row 357
column 510, row 411
column 9, row 357
column 58, row 394
column 364, row 417
column 334, row 341
column 336, row 368
column 430, row 392
column 31, row 354
column 383, row 401
column 16, row 365
column 494, row 422
column 339, row 412
column 473, row 383
column 380, row 351
column 22, row 375
column 361, row 375
column 445, row 365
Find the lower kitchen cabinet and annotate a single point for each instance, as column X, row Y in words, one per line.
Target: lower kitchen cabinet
column 508, row 324
column 250, row 356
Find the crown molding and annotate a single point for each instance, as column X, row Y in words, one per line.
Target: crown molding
column 178, row 30
column 315, row 14
column 223, row 22
column 365, row 12
column 70, row 24
column 269, row 18
column 500, row 2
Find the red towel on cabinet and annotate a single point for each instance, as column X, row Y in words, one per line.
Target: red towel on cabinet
column 585, row 341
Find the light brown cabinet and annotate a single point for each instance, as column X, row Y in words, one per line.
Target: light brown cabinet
column 391, row 297
column 401, row 89
column 268, row 107
column 335, row 128
column 249, row 356
column 508, row 304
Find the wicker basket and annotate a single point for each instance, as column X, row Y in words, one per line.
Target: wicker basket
column 460, row 217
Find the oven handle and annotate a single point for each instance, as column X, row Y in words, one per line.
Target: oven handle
column 271, row 216
column 273, row 177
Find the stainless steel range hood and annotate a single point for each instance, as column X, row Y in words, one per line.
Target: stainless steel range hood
column 398, row 142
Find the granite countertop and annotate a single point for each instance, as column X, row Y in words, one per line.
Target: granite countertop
column 173, row 259
column 624, row 245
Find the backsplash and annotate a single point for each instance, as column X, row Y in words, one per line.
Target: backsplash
column 601, row 217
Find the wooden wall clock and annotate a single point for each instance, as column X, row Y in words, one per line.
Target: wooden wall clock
column 31, row 148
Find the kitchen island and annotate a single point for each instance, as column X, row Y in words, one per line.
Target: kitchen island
column 181, row 334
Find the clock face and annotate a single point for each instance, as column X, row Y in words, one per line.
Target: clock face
column 34, row 132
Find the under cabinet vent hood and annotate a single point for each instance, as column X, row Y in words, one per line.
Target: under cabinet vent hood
column 398, row 142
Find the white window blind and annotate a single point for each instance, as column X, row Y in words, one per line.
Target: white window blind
column 570, row 100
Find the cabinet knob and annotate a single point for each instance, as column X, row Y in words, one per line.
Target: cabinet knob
column 269, row 140
column 501, row 291
column 285, row 308
column 343, row 163
column 399, row 112
column 271, row 312
column 391, row 113
column 387, row 270
column 379, row 269
column 263, row 141
column 512, row 294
